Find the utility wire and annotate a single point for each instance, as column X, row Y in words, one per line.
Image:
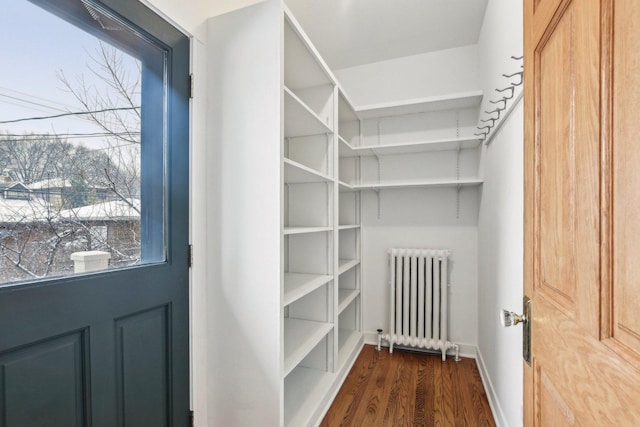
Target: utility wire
column 78, row 113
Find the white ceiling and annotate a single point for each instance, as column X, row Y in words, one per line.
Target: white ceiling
column 354, row 32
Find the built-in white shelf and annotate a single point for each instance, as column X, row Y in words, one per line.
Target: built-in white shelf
column 297, row 285
column 422, row 105
column 348, row 340
column 300, row 120
column 344, row 187
column 471, row 182
column 303, row 230
column 348, row 150
column 300, row 337
column 348, row 226
column 297, row 173
column 347, row 264
column 303, row 389
column 303, row 66
column 346, row 297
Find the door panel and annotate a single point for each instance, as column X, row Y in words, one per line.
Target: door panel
column 45, row 383
column 626, row 180
column 580, row 106
column 567, row 149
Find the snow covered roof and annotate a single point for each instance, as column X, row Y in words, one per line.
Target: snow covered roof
column 50, row 183
column 20, row 210
column 116, row 210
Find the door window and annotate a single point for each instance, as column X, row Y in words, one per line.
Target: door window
column 83, row 113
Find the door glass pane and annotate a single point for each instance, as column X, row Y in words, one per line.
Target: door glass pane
column 82, row 131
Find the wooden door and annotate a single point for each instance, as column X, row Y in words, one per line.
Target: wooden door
column 582, row 212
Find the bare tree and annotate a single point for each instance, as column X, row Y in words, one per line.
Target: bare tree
column 102, row 210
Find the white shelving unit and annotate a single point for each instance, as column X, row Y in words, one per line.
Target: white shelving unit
column 455, row 101
column 424, row 143
column 300, row 156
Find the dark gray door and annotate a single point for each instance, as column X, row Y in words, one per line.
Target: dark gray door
column 105, row 348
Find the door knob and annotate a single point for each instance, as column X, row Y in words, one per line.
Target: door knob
column 509, row 318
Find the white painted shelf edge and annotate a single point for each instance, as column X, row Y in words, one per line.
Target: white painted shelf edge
column 297, row 285
column 300, row 337
column 348, row 339
column 348, row 150
column 303, row 230
column 347, row 264
column 421, row 105
column 295, row 26
column 344, row 187
column 305, row 387
column 296, row 110
column 348, row 226
column 346, row 297
column 297, row 173
column 470, row 182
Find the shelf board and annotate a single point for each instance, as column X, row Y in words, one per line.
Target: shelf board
column 303, row 65
column 347, row 150
column 471, row 182
column 297, row 173
column 348, row 226
column 348, row 340
column 346, row 112
column 297, row 285
column 347, row 264
column 422, row 105
column 346, row 297
column 343, row 187
column 303, row 389
column 299, row 119
column 300, row 337
column 305, row 230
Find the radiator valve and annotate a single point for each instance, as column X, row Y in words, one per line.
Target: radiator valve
column 379, row 339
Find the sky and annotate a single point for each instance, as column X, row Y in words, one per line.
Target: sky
column 35, row 46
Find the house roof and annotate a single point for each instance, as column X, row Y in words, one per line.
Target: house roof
column 15, row 210
column 13, row 184
column 116, row 210
column 52, row 183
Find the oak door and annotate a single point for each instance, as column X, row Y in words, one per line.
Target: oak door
column 108, row 348
column 582, row 212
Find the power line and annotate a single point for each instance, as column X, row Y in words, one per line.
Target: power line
column 78, row 113
column 31, row 102
column 51, row 101
column 65, row 135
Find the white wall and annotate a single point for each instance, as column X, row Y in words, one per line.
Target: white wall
column 421, row 219
column 500, row 226
column 417, row 76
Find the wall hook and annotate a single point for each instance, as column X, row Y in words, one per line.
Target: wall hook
column 497, row 111
column 519, row 74
column 505, row 89
column 499, row 101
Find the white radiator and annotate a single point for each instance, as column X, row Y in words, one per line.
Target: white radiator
column 419, row 307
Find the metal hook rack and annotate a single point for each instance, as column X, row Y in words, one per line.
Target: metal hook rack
column 495, row 118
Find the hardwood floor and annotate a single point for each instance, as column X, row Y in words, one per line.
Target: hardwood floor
column 410, row 389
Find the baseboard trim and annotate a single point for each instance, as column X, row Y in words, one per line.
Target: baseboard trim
column 494, row 403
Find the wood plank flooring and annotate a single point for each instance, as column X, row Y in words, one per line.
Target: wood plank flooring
column 410, row 389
